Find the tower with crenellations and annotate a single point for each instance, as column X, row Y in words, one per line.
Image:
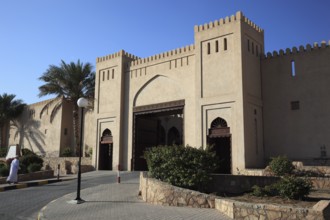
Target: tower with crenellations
column 223, row 91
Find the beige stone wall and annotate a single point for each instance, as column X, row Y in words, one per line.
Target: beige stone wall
column 252, row 50
column 35, row 132
column 243, row 210
column 219, row 82
column 299, row 134
column 222, row 74
column 157, row 192
column 68, row 165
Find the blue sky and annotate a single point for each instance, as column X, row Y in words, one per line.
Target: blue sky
column 38, row 33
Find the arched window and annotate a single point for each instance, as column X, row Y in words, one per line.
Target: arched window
column 106, row 132
column 106, row 137
column 219, row 123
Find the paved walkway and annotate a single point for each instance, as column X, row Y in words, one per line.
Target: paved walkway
column 116, row 201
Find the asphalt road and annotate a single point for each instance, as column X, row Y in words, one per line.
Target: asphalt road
column 26, row 203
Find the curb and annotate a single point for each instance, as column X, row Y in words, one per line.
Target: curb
column 29, row 184
column 41, row 212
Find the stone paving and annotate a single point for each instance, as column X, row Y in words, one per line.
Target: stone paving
column 120, row 201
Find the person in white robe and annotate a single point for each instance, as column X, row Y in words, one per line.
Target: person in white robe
column 14, row 166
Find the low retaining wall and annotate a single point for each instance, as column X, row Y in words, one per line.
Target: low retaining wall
column 46, row 174
column 320, row 182
column 68, row 165
column 157, row 192
column 242, row 210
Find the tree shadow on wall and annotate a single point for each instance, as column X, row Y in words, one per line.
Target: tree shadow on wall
column 28, row 129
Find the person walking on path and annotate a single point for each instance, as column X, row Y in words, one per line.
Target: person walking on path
column 14, row 166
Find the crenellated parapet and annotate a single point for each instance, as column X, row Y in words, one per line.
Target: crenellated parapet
column 227, row 20
column 165, row 55
column 115, row 55
column 300, row 49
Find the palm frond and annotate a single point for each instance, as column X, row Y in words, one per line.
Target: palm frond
column 46, row 107
column 55, row 111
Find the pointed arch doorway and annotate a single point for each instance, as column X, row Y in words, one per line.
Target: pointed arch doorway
column 220, row 139
column 106, row 150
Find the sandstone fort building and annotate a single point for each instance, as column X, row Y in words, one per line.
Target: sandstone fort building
column 223, row 90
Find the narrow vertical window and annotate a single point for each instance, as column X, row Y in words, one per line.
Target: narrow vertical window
column 293, row 68
column 113, row 74
column 295, row 105
column 256, row 135
column 225, row 44
column 257, row 50
column 108, row 75
column 252, row 48
column 103, row 76
column 216, row 46
column 208, row 48
column 248, row 44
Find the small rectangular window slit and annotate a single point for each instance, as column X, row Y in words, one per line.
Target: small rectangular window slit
column 295, row 105
column 293, row 68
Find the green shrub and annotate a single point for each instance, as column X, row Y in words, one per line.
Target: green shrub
column 4, row 171
column 27, row 152
column 281, row 166
column 34, row 167
column 67, row 152
column 3, row 151
column 258, row 191
column 289, row 187
column 293, row 188
column 26, row 160
column 181, row 166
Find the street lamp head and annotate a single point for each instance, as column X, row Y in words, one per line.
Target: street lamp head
column 82, row 102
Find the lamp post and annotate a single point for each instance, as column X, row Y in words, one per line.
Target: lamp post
column 82, row 103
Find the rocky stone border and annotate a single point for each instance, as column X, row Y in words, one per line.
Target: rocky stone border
column 243, row 210
column 157, row 192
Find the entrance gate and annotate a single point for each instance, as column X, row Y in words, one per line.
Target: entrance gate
column 152, row 123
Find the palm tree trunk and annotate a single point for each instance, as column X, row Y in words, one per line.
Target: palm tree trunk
column 1, row 136
column 76, row 128
column 4, row 134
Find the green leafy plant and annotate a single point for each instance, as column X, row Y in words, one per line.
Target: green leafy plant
column 293, row 188
column 181, row 166
column 289, row 187
column 26, row 160
column 281, row 166
column 4, row 169
column 67, row 152
column 27, row 152
column 34, row 167
column 3, row 151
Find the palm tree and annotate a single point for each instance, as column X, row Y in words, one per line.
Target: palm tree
column 68, row 82
column 9, row 110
